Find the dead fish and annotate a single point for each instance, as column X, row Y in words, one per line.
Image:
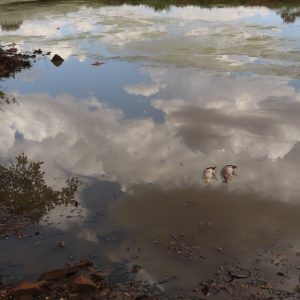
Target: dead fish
column 227, row 173
column 209, row 175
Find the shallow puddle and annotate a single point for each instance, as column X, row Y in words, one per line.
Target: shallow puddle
column 143, row 102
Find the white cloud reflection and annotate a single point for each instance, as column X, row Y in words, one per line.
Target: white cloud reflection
column 209, row 119
column 72, row 138
column 146, row 90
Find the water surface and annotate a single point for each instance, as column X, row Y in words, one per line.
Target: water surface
column 180, row 90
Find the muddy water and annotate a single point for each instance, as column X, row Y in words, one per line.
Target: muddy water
column 180, row 90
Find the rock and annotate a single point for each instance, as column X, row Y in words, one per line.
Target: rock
column 61, row 244
column 28, row 289
column 57, row 60
column 99, row 276
column 82, row 282
column 61, row 273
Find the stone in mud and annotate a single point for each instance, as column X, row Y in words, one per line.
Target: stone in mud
column 84, row 283
column 61, row 244
column 99, row 276
column 57, row 60
column 61, row 273
column 28, row 289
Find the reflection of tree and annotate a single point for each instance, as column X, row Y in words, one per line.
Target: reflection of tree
column 6, row 99
column 10, row 63
column 289, row 15
column 23, row 191
column 22, row 11
column 165, row 4
column 10, row 26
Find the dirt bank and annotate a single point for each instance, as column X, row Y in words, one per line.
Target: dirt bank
column 11, row 61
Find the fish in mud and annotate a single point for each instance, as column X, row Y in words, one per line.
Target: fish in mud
column 209, row 175
column 227, row 173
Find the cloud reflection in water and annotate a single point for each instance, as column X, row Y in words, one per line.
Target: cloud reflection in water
column 256, row 134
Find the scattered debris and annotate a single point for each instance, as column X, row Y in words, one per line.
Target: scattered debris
column 61, row 273
column 239, row 282
column 61, row 244
column 167, row 279
column 181, row 250
column 81, row 281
